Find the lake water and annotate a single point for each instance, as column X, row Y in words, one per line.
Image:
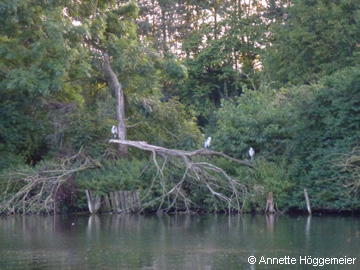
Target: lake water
column 179, row 242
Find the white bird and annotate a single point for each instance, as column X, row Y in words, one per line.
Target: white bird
column 114, row 131
column 207, row 143
column 251, row 153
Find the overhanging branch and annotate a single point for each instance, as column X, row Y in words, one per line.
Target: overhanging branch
column 212, row 178
column 178, row 153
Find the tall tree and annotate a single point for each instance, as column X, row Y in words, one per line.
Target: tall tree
column 112, row 35
column 51, row 56
column 222, row 56
column 316, row 38
column 168, row 23
column 120, row 105
column 38, row 59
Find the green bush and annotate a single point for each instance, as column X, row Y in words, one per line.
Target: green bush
column 325, row 122
column 121, row 174
column 298, row 134
column 268, row 177
column 257, row 119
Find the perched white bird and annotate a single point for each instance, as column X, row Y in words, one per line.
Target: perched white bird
column 207, row 143
column 114, row 131
column 251, row 153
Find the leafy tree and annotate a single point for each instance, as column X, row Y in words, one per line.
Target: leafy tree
column 316, row 38
column 164, row 123
column 55, row 97
column 37, row 58
column 227, row 61
column 257, row 119
column 166, row 24
column 325, row 124
column 305, row 131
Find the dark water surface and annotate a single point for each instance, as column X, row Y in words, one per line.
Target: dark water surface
column 179, row 242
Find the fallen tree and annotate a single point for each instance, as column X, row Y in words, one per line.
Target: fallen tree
column 201, row 173
column 37, row 190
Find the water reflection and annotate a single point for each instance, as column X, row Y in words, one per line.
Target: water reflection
column 172, row 242
column 307, row 229
column 270, row 221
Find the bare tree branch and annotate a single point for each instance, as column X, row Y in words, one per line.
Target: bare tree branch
column 204, row 174
column 39, row 187
column 178, row 153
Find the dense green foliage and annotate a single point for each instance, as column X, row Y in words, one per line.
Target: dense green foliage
column 283, row 79
column 329, row 127
column 317, row 38
column 298, row 134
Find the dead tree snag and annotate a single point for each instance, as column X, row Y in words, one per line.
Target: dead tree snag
column 214, row 179
column 270, row 207
column 120, row 105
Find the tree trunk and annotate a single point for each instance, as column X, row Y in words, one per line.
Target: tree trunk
column 216, row 6
column 163, row 26
column 270, row 207
column 120, row 105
